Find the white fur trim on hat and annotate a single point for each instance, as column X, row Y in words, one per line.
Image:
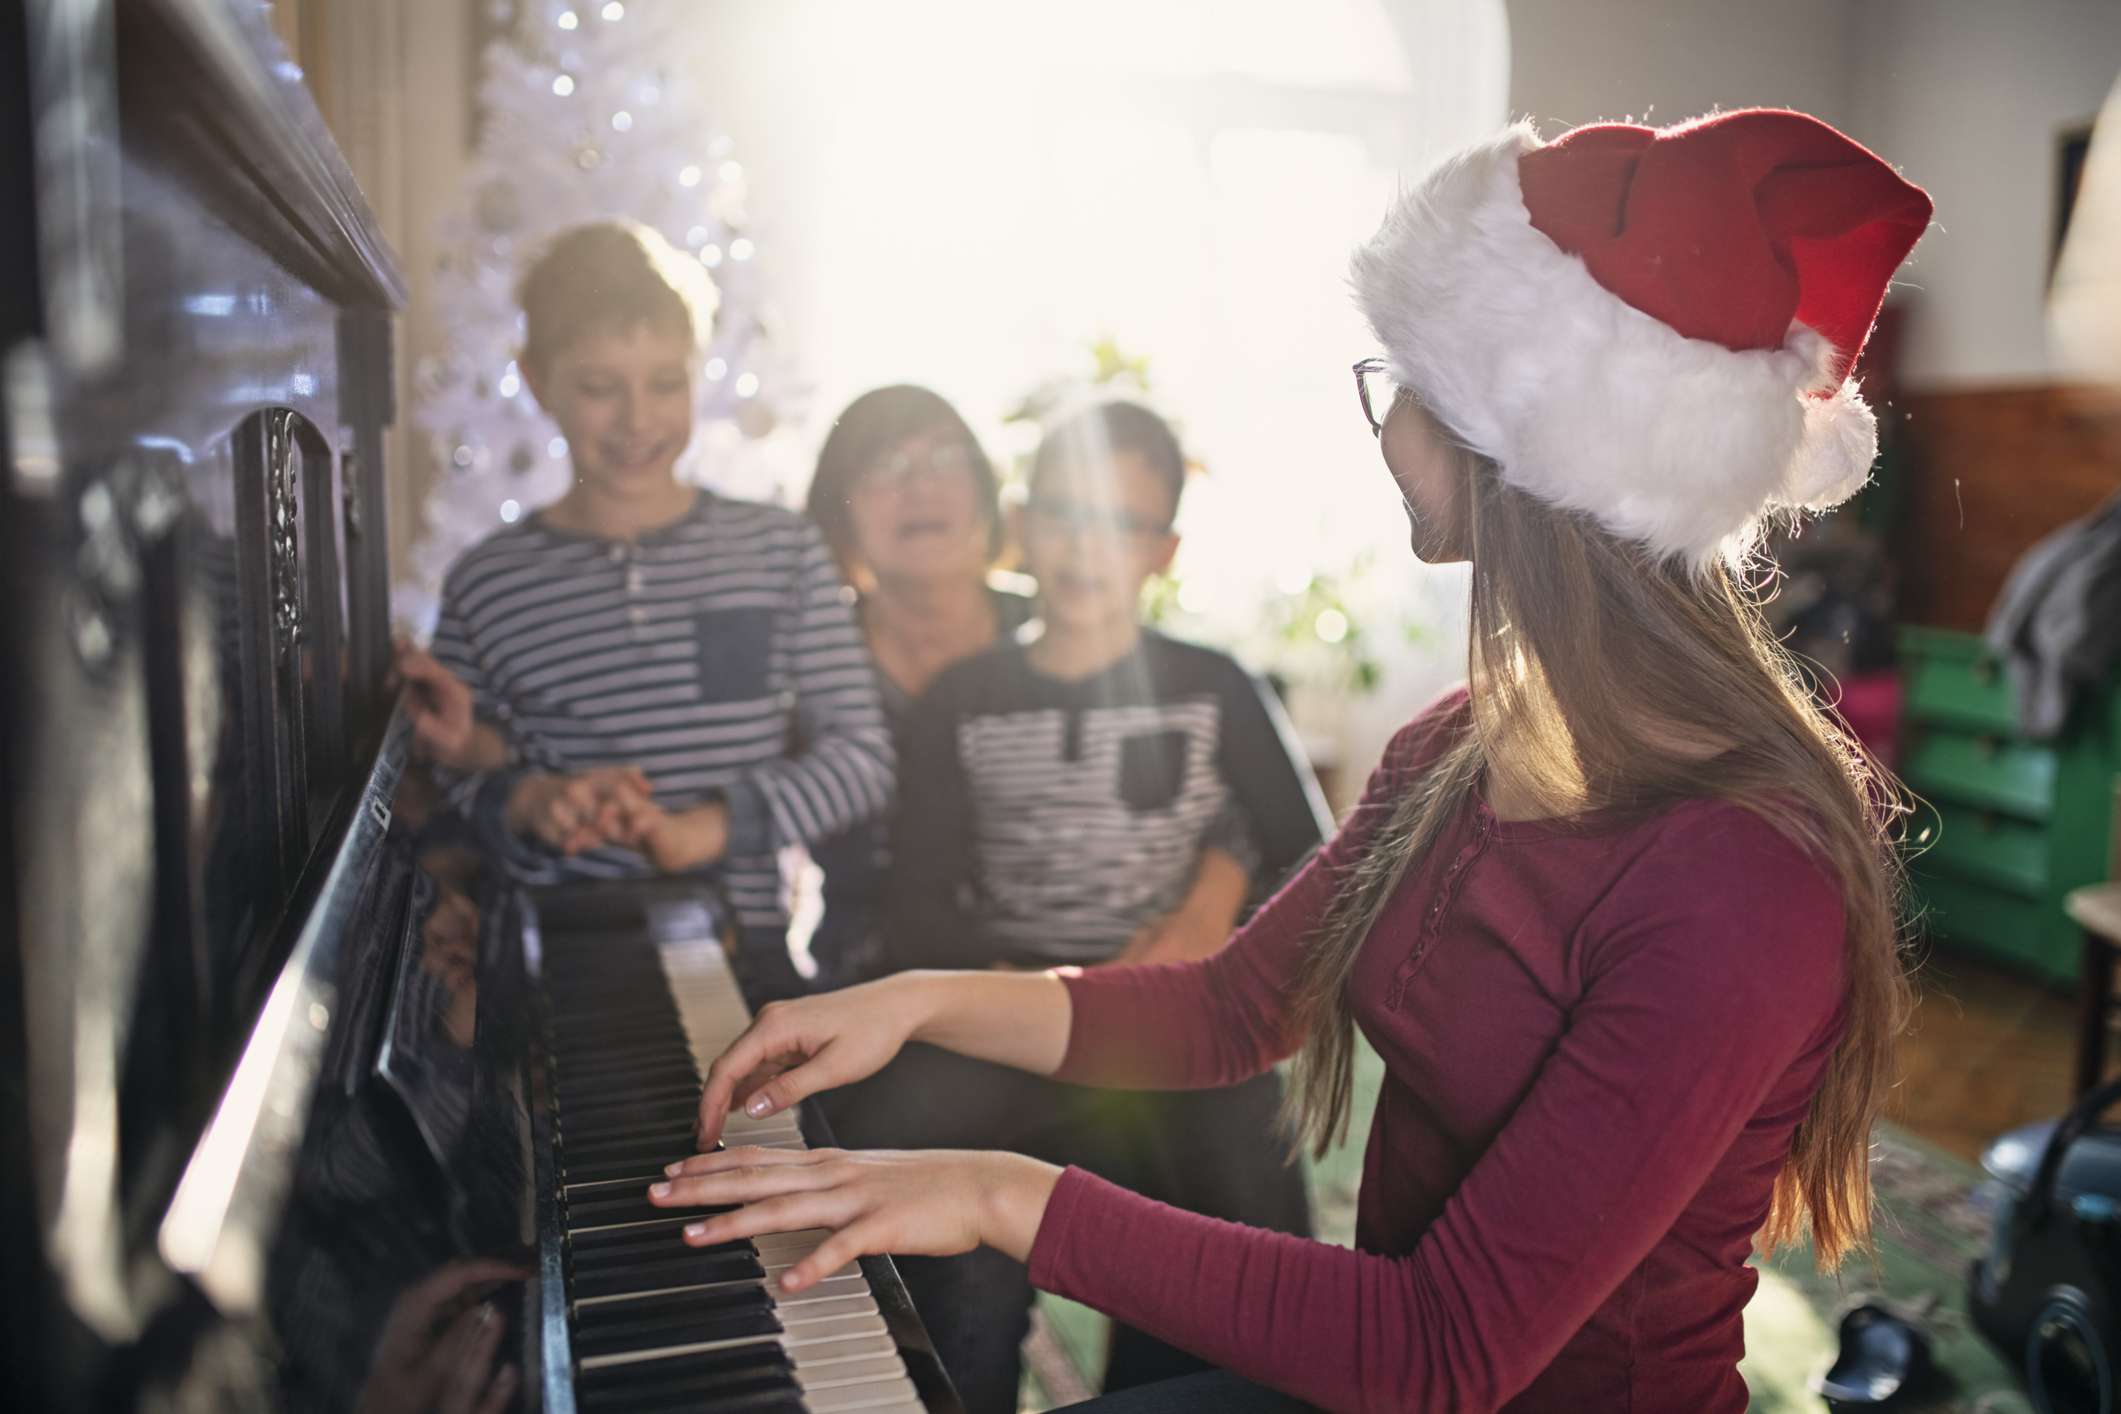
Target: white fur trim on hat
column 1580, row 398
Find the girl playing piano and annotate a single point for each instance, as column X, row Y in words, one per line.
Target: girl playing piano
column 1618, row 915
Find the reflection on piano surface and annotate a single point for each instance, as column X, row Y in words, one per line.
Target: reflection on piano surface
column 308, row 1110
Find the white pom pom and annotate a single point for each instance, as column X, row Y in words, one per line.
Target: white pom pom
column 1834, row 456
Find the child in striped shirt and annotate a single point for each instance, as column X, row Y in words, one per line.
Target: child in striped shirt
column 1062, row 792
column 660, row 679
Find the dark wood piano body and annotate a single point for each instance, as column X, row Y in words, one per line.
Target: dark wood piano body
column 269, row 1067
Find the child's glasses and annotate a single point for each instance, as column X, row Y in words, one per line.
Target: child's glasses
column 890, row 473
column 1060, row 517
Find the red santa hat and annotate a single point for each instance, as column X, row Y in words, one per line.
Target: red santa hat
column 1652, row 326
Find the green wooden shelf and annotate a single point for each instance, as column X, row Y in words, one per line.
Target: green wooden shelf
column 2009, row 824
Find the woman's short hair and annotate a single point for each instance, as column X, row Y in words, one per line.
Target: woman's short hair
column 871, row 427
column 611, row 275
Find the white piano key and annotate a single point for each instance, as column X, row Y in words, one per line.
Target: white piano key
column 828, row 1354
column 800, row 1333
column 839, row 1371
column 795, row 1312
column 880, row 1394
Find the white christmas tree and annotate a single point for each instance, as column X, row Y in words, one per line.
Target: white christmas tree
column 586, row 114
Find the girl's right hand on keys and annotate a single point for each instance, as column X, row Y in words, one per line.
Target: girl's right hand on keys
column 794, row 1049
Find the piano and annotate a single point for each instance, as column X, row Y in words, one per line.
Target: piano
column 306, row 1106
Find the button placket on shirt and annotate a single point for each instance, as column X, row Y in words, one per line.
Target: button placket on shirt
column 1446, row 894
column 633, row 581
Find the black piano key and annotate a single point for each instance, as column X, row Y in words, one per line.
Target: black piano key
column 572, row 1054
column 622, row 1143
column 582, row 1123
column 678, row 1319
column 602, row 1239
column 688, row 1266
column 645, row 1154
column 594, row 1002
column 670, row 1142
column 745, row 1389
column 608, row 1121
column 754, row 1319
column 663, row 1112
column 632, row 1170
column 621, row 1048
column 590, row 994
column 766, row 1394
column 675, row 1060
column 583, row 1068
column 656, row 1306
column 659, row 1130
column 628, row 1039
column 657, row 1245
column 626, row 1033
column 645, row 1128
column 609, row 1012
column 686, row 1378
column 651, row 1255
column 588, row 1063
column 611, row 1188
column 627, row 1208
column 665, row 1373
column 663, row 1083
column 633, row 1108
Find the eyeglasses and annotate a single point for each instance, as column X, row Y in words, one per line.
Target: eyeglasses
column 1374, row 385
column 1061, row 517
column 890, row 473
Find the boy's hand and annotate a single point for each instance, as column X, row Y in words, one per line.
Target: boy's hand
column 440, row 705
column 1176, row 937
column 584, row 810
column 1202, row 924
column 444, row 729
column 678, row 841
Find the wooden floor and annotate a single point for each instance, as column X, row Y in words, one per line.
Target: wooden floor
column 1988, row 1051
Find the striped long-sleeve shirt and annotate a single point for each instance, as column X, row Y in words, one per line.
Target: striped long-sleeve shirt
column 718, row 654
column 1045, row 821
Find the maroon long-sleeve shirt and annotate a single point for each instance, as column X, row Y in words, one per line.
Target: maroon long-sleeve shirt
column 1598, row 1037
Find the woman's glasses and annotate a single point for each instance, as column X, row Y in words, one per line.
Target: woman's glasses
column 946, row 460
column 1374, row 385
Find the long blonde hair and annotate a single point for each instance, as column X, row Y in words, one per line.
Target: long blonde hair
column 1619, row 680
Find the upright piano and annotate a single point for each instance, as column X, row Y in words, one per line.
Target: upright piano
column 304, row 1105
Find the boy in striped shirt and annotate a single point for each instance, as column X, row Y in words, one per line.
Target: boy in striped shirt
column 660, row 680
column 1062, row 792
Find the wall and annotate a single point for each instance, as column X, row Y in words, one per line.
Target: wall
column 1966, row 96
column 1969, row 96
column 393, row 80
column 1999, row 469
column 1661, row 61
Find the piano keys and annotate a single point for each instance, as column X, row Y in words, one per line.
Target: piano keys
column 637, row 998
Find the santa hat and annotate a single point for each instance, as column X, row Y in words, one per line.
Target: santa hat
column 1652, row 326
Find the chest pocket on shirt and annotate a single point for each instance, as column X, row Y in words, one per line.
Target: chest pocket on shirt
column 1152, row 769
column 735, row 654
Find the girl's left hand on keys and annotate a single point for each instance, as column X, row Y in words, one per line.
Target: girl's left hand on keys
column 931, row 1203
